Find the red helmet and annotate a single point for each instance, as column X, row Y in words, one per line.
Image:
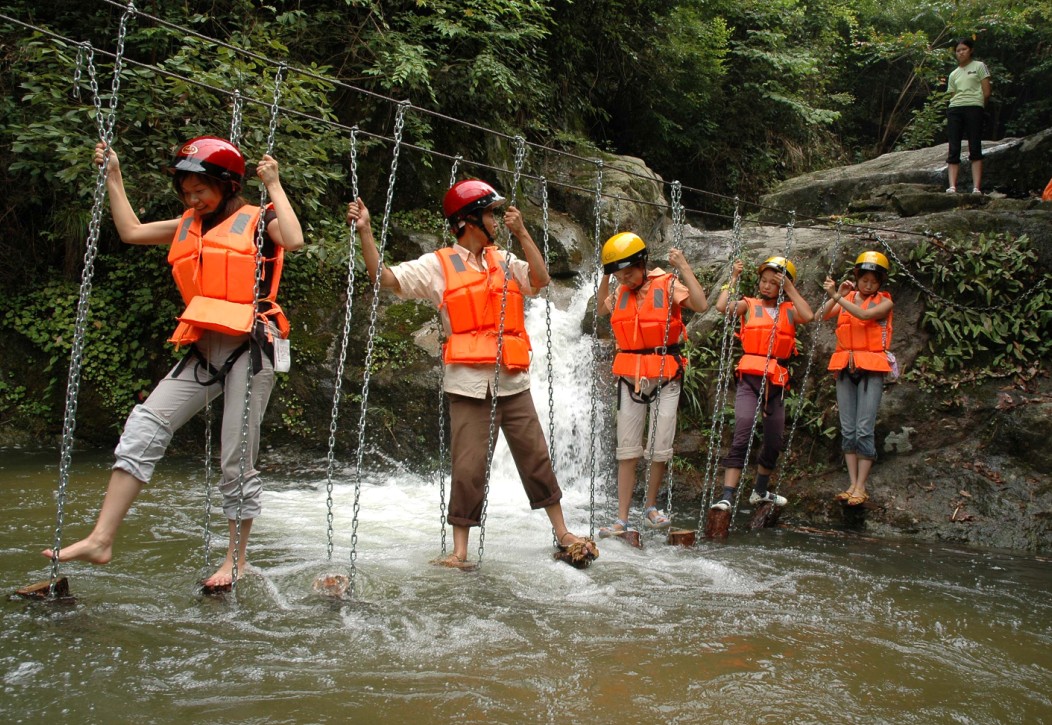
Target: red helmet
column 469, row 197
column 211, row 156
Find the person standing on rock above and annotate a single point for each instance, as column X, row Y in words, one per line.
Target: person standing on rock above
column 860, row 362
column 649, row 366
column 466, row 282
column 229, row 323
column 762, row 319
column 969, row 84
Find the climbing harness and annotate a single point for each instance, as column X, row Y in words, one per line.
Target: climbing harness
column 399, row 125
column 491, row 443
column 105, row 123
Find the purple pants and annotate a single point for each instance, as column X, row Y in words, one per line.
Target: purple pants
column 772, row 417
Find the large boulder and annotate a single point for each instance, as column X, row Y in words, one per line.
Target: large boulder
column 1016, row 167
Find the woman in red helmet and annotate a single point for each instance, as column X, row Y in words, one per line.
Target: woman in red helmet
column 228, row 322
column 860, row 362
column 466, row 282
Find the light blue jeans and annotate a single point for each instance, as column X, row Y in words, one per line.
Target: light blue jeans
column 858, row 403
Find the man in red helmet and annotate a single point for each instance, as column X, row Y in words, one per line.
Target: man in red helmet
column 482, row 313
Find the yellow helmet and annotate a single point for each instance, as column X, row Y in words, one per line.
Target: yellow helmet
column 779, row 264
column 872, row 262
column 623, row 250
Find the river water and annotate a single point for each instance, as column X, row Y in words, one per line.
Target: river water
column 773, row 626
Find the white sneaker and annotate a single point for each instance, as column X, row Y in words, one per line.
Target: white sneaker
column 721, row 505
column 768, row 497
column 977, row 191
column 952, row 190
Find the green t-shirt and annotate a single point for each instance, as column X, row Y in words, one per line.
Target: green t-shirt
column 966, row 84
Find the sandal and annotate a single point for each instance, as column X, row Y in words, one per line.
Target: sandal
column 858, row 500
column 617, row 528
column 655, row 519
column 842, row 496
column 453, row 562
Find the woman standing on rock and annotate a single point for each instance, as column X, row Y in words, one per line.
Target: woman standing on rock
column 860, row 361
column 969, row 85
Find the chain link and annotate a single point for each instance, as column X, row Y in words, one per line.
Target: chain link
column 723, row 376
column 593, row 433
column 945, row 300
column 802, row 395
column 677, row 236
column 491, row 443
column 549, row 357
column 761, row 394
column 84, row 301
column 442, row 463
column 236, row 117
column 246, row 412
column 337, row 388
column 399, row 126
column 77, row 69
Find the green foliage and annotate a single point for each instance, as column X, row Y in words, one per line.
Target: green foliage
column 1001, row 312
column 127, row 327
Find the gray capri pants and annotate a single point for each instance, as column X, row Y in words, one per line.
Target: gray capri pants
column 178, row 397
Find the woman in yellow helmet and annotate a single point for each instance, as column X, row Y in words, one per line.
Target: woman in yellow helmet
column 648, row 330
column 768, row 337
column 863, row 334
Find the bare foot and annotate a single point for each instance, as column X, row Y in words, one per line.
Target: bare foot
column 224, row 575
column 453, row 561
column 84, row 550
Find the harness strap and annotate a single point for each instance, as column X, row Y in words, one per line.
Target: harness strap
column 258, row 343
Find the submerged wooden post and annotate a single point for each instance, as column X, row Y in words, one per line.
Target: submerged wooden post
column 681, row 537
column 763, row 516
column 42, row 590
column 579, row 554
column 717, row 523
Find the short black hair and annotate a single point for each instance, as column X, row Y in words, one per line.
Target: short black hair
column 966, row 41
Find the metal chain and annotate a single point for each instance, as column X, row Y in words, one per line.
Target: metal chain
column 802, row 395
column 345, row 337
column 491, row 442
column 549, row 357
column 208, row 482
column 399, row 125
column 84, row 301
column 549, row 369
column 77, row 69
column 246, row 412
column 441, row 468
column 593, row 434
column 770, row 350
column 235, row 118
column 947, row 301
column 677, row 234
column 723, row 376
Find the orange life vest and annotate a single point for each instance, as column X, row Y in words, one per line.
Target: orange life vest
column 639, row 329
column 756, row 331
column 862, row 340
column 473, row 301
column 216, row 274
column 1047, row 195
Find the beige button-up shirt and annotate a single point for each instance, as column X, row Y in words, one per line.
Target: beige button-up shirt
column 423, row 279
